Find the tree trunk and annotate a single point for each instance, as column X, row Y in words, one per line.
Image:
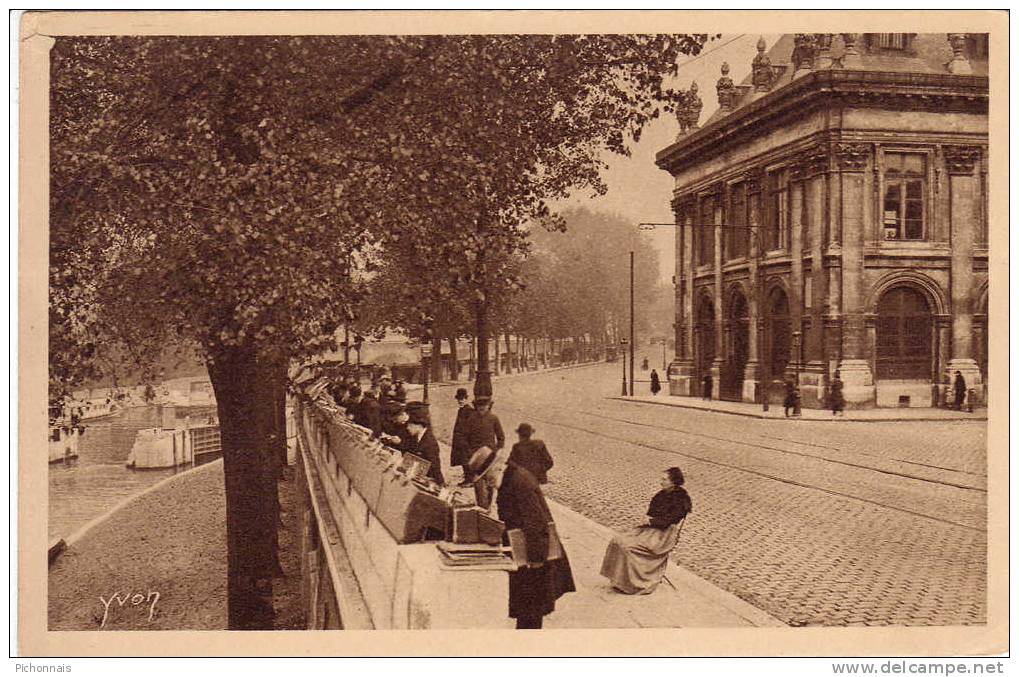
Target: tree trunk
column 509, row 352
column 244, row 398
column 454, row 360
column 495, row 357
column 471, row 368
column 436, row 362
column 483, row 376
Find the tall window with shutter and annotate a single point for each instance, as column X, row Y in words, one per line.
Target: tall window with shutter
column 776, row 234
column 905, row 189
column 737, row 236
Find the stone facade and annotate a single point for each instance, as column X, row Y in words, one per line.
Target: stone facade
column 832, row 216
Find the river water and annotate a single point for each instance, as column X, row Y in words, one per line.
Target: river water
column 85, row 488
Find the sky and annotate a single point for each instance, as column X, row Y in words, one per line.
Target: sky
column 639, row 190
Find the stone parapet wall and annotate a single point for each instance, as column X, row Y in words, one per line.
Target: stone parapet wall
column 402, row 583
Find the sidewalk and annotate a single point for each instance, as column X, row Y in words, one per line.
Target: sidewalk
column 777, row 411
column 683, row 600
column 465, row 382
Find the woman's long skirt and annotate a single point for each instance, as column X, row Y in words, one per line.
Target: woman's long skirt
column 636, row 559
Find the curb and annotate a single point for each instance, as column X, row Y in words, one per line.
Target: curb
column 81, row 532
column 677, row 574
column 538, row 372
column 834, row 419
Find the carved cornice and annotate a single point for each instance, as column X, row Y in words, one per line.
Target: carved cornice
column 823, row 89
column 683, row 203
column 755, row 180
column 852, row 157
column 961, row 159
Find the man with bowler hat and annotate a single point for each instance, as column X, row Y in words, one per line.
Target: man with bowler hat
column 534, row 587
column 422, row 440
column 461, row 452
column 531, row 454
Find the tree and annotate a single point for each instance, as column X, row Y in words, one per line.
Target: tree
column 216, row 191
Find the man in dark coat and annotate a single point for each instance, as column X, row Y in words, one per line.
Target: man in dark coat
column 656, row 383
column 422, row 440
column 535, row 587
column 461, row 452
column 366, row 411
column 394, row 426
column 959, row 390
column 485, row 429
column 531, row 454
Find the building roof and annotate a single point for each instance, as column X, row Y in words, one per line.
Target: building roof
column 926, row 53
column 921, row 66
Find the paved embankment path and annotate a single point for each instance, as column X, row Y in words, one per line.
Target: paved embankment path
column 170, row 540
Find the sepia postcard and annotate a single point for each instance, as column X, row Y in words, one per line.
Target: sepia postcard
column 513, row 333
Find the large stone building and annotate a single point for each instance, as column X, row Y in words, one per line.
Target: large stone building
column 833, row 215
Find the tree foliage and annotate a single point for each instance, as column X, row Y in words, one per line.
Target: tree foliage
column 216, row 192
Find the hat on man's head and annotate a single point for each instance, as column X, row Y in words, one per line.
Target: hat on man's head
column 525, row 429
column 418, row 413
column 393, row 407
column 481, row 462
column 355, row 391
column 384, row 376
column 461, row 394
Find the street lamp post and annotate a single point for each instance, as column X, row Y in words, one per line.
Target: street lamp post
column 633, row 341
column 664, row 346
column 798, row 348
column 426, row 353
column 622, row 350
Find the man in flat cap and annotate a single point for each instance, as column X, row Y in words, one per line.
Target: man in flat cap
column 422, row 440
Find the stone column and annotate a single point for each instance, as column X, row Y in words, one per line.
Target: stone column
column 960, row 162
column 818, row 275
column 681, row 369
column 855, row 365
column 752, row 369
column 718, row 363
column 796, row 263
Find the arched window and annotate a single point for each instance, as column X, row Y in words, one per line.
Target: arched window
column 903, row 335
column 779, row 331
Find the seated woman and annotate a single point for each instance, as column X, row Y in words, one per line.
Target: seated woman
column 635, row 560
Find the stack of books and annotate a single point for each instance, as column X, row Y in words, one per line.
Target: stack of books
column 475, row 556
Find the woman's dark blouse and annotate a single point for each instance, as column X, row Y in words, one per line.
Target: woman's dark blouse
column 668, row 507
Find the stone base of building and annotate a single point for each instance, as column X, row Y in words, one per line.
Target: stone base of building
column 858, row 388
column 750, row 384
column 905, row 394
column 681, row 378
column 813, row 386
column 970, row 371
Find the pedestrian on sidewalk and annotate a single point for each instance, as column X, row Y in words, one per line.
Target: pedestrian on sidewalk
column 706, row 384
column 534, row 587
column 484, row 430
column 531, row 454
column 422, row 441
column 460, row 452
column 636, row 559
column 959, row 390
column 836, row 399
column 790, row 397
column 656, row 383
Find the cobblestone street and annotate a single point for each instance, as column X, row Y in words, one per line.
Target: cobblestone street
column 817, row 523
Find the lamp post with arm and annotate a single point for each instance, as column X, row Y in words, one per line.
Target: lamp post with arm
column 755, row 233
